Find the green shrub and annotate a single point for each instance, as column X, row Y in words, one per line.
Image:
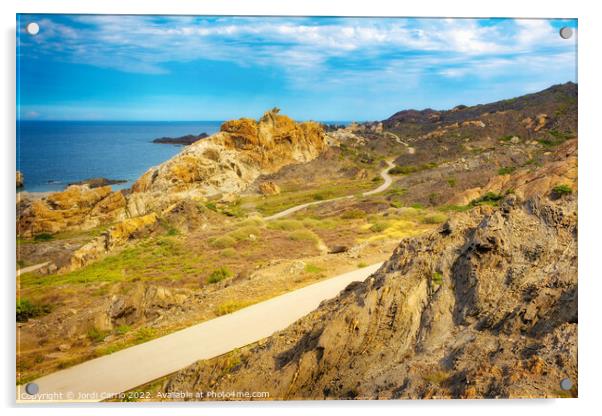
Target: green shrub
column 144, row 334
column 402, row 170
column 218, row 275
column 434, row 219
column 379, row 226
column 455, row 208
column 452, row 182
column 43, row 237
column 228, row 307
column 560, row 190
column 354, row 213
column 490, row 198
column 243, row 233
column 95, row 335
column 437, row 278
column 122, row 329
column 555, row 138
column 312, row 268
column 27, row 309
column 303, row 235
column 362, row 264
column 506, row 170
column 286, row 225
column 254, row 220
column 234, row 210
column 223, row 242
column 172, row 232
column 322, row 224
column 229, row 252
column 407, row 169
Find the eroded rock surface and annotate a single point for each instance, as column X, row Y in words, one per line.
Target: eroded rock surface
column 269, row 188
column 77, row 207
column 229, row 161
column 225, row 163
column 485, row 307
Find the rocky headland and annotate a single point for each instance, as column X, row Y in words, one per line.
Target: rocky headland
column 182, row 140
column 98, row 182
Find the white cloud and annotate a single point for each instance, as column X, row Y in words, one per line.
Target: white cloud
column 304, row 48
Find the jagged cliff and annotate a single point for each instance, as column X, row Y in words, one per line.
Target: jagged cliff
column 229, row 161
column 484, row 307
column 226, row 162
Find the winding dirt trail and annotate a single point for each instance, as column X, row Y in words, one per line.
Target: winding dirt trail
column 384, row 174
column 94, row 380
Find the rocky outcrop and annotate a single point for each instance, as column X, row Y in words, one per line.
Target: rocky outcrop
column 527, row 182
column 183, row 140
column 225, row 163
column 98, row 182
column 20, row 179
column 486, row 307
column 269, row 188
column 229, row 161
column 77, row 207
column 143, row 303
column 115, row 236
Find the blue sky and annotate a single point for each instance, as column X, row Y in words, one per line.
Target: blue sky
column 87, row 67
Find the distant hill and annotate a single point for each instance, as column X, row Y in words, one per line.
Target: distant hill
column 559, row 103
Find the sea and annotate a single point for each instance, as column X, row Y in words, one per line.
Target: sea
column 52, row 154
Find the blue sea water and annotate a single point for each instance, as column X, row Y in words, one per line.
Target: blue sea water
column 52, row 154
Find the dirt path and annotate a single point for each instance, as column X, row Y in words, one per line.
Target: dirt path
column 135, row 366
column 31, row 268
column 384, row 174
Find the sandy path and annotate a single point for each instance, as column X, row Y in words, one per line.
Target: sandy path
column 384, row 174
column 134, row 366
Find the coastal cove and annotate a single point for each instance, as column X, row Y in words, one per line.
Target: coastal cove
column 52, row 154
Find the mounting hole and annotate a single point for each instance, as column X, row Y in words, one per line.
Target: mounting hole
column 566, row 32
column 32, row 388
column 566, row 384
column 32, row 28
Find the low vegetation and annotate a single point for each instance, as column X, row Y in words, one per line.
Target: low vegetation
column 407, row 169
column 434, row 218
column 95, row 335
column 292, row 197
column 43, row 237
column 506, row 170
column 312, row 268
column 561, row 190
column 285, row 224
column 555, row 138
column 303, row 235
column 490, row 198
column 228, row 307
column 27, row 309
column 218, row 275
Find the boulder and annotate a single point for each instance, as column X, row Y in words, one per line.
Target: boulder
column 77, row 207
column 114, row 237
column 269, row 188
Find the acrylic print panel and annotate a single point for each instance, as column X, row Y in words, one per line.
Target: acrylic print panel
column 266, row 208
